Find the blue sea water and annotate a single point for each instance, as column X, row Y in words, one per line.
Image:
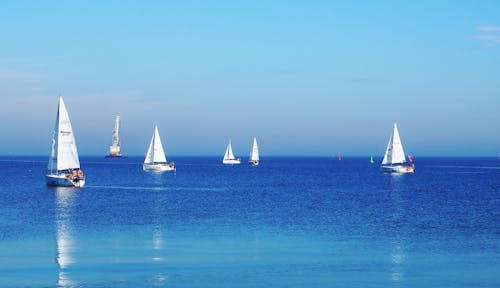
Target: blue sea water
column 291, row 222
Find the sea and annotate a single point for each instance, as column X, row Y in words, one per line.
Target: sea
column 290, row 222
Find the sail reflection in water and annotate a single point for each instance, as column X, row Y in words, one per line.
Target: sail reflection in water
column 158, row 245
column 65, row 245
column 160, row 277
column 398, row 255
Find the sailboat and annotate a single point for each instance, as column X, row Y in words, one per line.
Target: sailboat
column 371, row 159
column 394, row 158
column 229, row 156
column 155, row 160
column 115, row 150
column 254, row 154
column 64, row 166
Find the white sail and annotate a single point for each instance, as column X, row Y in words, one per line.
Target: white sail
column 149, row 155
column 388, row 153
column 159, row 153
column 114, row 149
column 116, row 132
column 53, row 153
column 155, row 154
column 394, row 153
column 64, row 154
column 229, row 155
column 254, row 155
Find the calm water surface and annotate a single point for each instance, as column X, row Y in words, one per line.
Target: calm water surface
column 291, row 222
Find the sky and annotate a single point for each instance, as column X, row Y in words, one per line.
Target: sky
column 306, row 78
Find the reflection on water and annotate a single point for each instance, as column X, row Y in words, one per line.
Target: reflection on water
column 65, row 245
column 157, row 244
column 159, row 278
column 398, row 255
column 320, row 225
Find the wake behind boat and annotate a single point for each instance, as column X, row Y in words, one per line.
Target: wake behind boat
column 254, row 154
column 64, row 166
column 394, row 158
column 155, row 160
column 229, row 156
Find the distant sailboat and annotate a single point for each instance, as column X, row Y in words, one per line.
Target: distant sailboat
column 155, row 160
column 64, row 166
column 371, row 159
column 254, row 154
column 115, row 150
column 394, row 158
column 229, row 156
column 339, row 157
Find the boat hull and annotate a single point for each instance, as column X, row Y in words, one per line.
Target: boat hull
column 62, row 181
column 231, row 161
column 158, row 168
column 398, row 169
column 254, row 163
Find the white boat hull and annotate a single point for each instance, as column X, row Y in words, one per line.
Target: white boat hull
column 399, row 169
column 231, row 161
column 62, row 180
column 158, row 168
column 254, row 163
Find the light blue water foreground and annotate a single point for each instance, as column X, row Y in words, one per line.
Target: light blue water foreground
column 302, row 222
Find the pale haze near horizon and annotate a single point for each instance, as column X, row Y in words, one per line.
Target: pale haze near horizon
column 304, row 77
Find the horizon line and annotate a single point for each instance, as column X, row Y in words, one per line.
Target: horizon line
column 270, row 155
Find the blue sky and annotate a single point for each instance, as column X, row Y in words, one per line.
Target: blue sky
column 304, row 77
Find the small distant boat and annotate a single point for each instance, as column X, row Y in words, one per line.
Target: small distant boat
column 64, row 166
column 371, row 159
column 229, row 156
column 339, row 157
column 115, row 150
column 254, row 154
column 155, row 160
column 394, row 158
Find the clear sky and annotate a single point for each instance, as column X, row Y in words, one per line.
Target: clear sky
column 304, row 77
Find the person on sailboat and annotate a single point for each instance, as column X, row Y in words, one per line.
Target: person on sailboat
column 74, row 176
column 77, row 175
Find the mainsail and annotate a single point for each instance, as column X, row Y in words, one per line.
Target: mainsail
column 64, row 154
column 115, row 149
column 155, row 151
column 254, row 155
column 394, row 153
column 229, row 152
